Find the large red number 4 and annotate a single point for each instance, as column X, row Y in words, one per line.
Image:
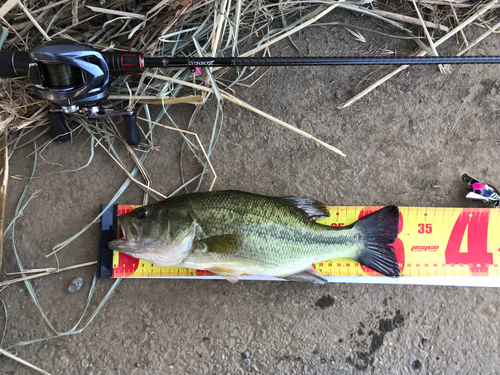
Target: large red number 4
column 477, row 256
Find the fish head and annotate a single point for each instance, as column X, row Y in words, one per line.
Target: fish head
column 157, row 233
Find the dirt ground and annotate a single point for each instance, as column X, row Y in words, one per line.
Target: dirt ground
column 407, row 144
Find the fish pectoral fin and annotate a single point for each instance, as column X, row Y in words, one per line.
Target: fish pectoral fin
column 309, row 276
column 222, row 244
column 227, row 273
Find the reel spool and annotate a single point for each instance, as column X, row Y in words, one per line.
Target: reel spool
column 62, row 75
column 69, row 74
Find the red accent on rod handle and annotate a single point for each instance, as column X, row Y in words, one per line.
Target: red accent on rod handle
column 124, row 62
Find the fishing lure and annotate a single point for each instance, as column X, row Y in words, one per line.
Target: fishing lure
column 480, row 191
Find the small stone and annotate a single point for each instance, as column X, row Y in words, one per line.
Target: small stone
column 191, row 370
column 217, row 368
column 438, row 358
column 138, row 365
column 423, row 354
column 411, row 352
column 84, row 363
column 424, row 342
column 416, row 365
column 246, row 362
column 305, row 368
column 245, row 355
column 75, row 285
column 432, row 316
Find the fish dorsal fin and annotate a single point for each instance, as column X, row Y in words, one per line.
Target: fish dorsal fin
column 309, row 276
column 311, row 207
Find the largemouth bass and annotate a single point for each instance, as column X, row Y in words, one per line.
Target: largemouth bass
column 231, row 233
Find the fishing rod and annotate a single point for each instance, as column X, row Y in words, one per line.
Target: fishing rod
column 75, row 77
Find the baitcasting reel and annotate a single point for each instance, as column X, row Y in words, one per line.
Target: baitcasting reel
column 481, row 191
column 75, row 78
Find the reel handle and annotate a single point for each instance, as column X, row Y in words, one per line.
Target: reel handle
column 133, row 135
column 59, row 131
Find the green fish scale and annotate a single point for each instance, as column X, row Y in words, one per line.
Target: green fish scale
column 276, row 237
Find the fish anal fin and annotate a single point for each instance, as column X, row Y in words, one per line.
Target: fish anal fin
column 227, row 273
column 309, row 276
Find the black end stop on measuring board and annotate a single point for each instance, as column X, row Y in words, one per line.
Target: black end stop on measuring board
column 107, row 232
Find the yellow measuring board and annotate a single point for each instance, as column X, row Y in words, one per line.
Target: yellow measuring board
column 445, row 246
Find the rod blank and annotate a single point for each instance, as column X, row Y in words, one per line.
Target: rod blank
column 158, row 62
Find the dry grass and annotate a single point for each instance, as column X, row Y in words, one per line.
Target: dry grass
column 181, row 28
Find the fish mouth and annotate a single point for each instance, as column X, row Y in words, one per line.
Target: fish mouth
column 118, row 245
column 135, row 231
column 130, row 231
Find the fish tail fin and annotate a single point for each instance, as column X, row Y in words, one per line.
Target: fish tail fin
column 378, row 230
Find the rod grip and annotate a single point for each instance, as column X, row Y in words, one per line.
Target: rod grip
column 133, row 135
column 59, row 131
column 14, row 63
column 124, row 62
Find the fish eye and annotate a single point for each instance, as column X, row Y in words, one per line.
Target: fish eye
column 478, row 191
column 141, row 213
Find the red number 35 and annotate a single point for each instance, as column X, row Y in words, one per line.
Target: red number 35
column 424, row 228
